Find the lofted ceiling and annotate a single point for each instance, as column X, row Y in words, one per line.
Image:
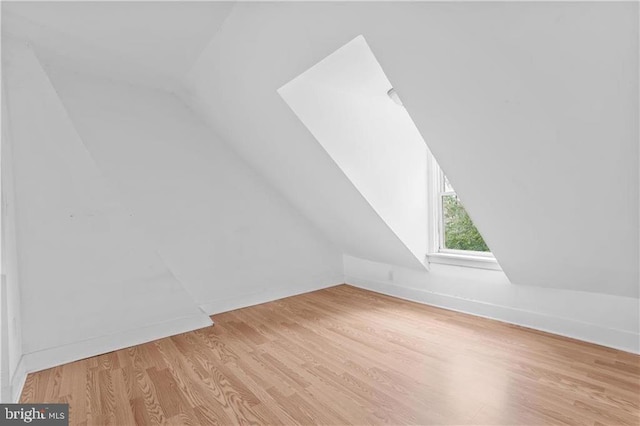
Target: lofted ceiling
column 531, row 110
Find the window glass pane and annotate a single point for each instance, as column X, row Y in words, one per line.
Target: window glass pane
column 447, row 185
column 459, row 231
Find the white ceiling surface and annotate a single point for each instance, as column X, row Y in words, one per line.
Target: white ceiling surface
column 233, row 85
column 83, row 260
column 531, row 109
column 151, row 43
column 77, row 35
column 220, row 229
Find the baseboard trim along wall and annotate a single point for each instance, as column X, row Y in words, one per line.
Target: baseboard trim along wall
column 51, row 357
column 624, row 340
column 268, row 295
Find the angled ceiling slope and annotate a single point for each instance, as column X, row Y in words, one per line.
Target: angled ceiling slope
column 82, row 260
column 530, row 109
column 148, row 43
column 343, row 101
column 233, row 85
column 226, row 234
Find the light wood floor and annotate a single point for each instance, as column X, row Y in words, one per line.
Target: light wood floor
column 348, row 356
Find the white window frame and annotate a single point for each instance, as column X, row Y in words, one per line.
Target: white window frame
column 437, row 252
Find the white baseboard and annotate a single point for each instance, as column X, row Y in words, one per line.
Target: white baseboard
column 593, row 333
column 40, row 360
column 259, row 297
column 51, row 357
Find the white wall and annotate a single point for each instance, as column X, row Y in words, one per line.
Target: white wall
column 343, row 102
column 607, row 320
column 85, row 270
column 11, row 323
column 229, row 237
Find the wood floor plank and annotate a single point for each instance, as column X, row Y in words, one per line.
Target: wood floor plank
column 343, row 355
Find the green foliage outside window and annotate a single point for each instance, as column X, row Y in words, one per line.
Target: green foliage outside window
column 459, row 231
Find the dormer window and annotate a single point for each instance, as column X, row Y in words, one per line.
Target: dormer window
column 454, row 238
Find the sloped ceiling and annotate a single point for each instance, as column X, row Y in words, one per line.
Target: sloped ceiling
column 149, row 43
column 222, row 231
column 82, row 260
column 343, row 102
column 234, row 86
column 530, row 108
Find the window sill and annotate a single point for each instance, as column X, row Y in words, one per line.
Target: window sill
column 481, row 262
